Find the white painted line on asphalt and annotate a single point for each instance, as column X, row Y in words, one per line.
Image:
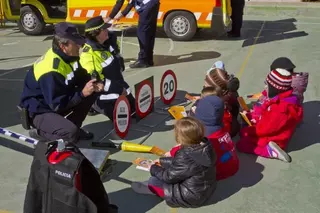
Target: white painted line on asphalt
column 134, row 44
column 6, row 73
column 12, row 43
column 171, row 46
column 13, row 70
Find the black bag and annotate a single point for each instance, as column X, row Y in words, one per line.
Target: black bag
column 72, row 185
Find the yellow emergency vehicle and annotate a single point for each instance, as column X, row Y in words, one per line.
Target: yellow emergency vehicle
column 180, row 18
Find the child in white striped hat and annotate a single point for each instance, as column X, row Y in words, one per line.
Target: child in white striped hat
column 280, row 115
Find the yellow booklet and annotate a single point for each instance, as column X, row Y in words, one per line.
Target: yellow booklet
column 177, row 112
column 243, row 104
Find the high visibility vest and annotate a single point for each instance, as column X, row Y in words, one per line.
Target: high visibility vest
column 53, row 62
column 96, row 60
column 106, row 63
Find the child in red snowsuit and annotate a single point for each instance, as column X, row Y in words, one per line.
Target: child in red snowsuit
column 280, row 115
column 299, row 84
column 210, row 111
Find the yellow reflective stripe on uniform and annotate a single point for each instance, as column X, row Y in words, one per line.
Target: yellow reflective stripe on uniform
column 51, row 62
column 95, row 60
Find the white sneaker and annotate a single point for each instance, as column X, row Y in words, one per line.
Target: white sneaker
column 141, row 188
column 276, row 152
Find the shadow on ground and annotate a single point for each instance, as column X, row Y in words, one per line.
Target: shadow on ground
column 272, row 31
column 249, row 174
column 129, row 201
column 11, row 86
column 162, row 60
column 154, row 122
column 16, row 146
column 307, row 133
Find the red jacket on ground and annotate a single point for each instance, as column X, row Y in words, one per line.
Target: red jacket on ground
column 279, row 118
column 227, row 159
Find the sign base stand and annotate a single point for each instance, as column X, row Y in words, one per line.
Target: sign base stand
column 113, row 137
column 159, row 105
column 151, row 119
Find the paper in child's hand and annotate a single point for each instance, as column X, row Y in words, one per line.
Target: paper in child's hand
column 191, row 98
column 143, row 164
column 254, row 96
column 245, row 118
column 177, row 112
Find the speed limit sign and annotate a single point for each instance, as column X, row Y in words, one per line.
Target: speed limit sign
column 168, row 87
column 121, row 115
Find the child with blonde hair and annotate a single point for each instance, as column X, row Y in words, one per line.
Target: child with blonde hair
column 189, row 178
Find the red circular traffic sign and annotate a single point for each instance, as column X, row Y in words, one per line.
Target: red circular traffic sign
column 122, row 116
column 168, row 87
column 144, row 98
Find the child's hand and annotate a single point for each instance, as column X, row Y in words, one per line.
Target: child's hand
column 193, row 109
column 197, row 98
column 167, row 154
column 157, row 161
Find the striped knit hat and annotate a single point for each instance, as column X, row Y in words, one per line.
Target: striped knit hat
column 280, row 79
column 217, row 78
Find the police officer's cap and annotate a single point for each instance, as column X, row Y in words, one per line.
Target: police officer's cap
column 96, row 23
column 69, row 31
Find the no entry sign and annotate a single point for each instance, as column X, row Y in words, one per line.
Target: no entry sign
column 144, row 97
column 168, row 87
column 121, row 115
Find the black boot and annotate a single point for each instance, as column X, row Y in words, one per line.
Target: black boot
column 139, row 64
column 85, row 135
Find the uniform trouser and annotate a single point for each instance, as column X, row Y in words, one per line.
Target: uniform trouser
column 54, row 126
column 237, row 15
column 147, row 28
column 106, row 107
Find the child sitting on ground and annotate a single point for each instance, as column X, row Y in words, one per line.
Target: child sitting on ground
column 189, row 178
column 281, row 113
column 210, row 112
column 299, row 84
column 229, row 86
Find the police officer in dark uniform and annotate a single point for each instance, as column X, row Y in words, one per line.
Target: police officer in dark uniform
column 147, row 26
column 58, row 92
column 236, row 17
column 101, row 58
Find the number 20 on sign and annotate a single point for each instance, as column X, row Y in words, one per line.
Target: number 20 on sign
column 168, row 87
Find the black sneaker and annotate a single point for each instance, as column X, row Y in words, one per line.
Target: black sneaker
column 92, row 112
column 139, row 64
column 233, row 35
column 151, row 63
column 85, row 135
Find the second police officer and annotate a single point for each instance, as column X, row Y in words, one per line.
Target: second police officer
column 147, row 26
column 101, row 58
